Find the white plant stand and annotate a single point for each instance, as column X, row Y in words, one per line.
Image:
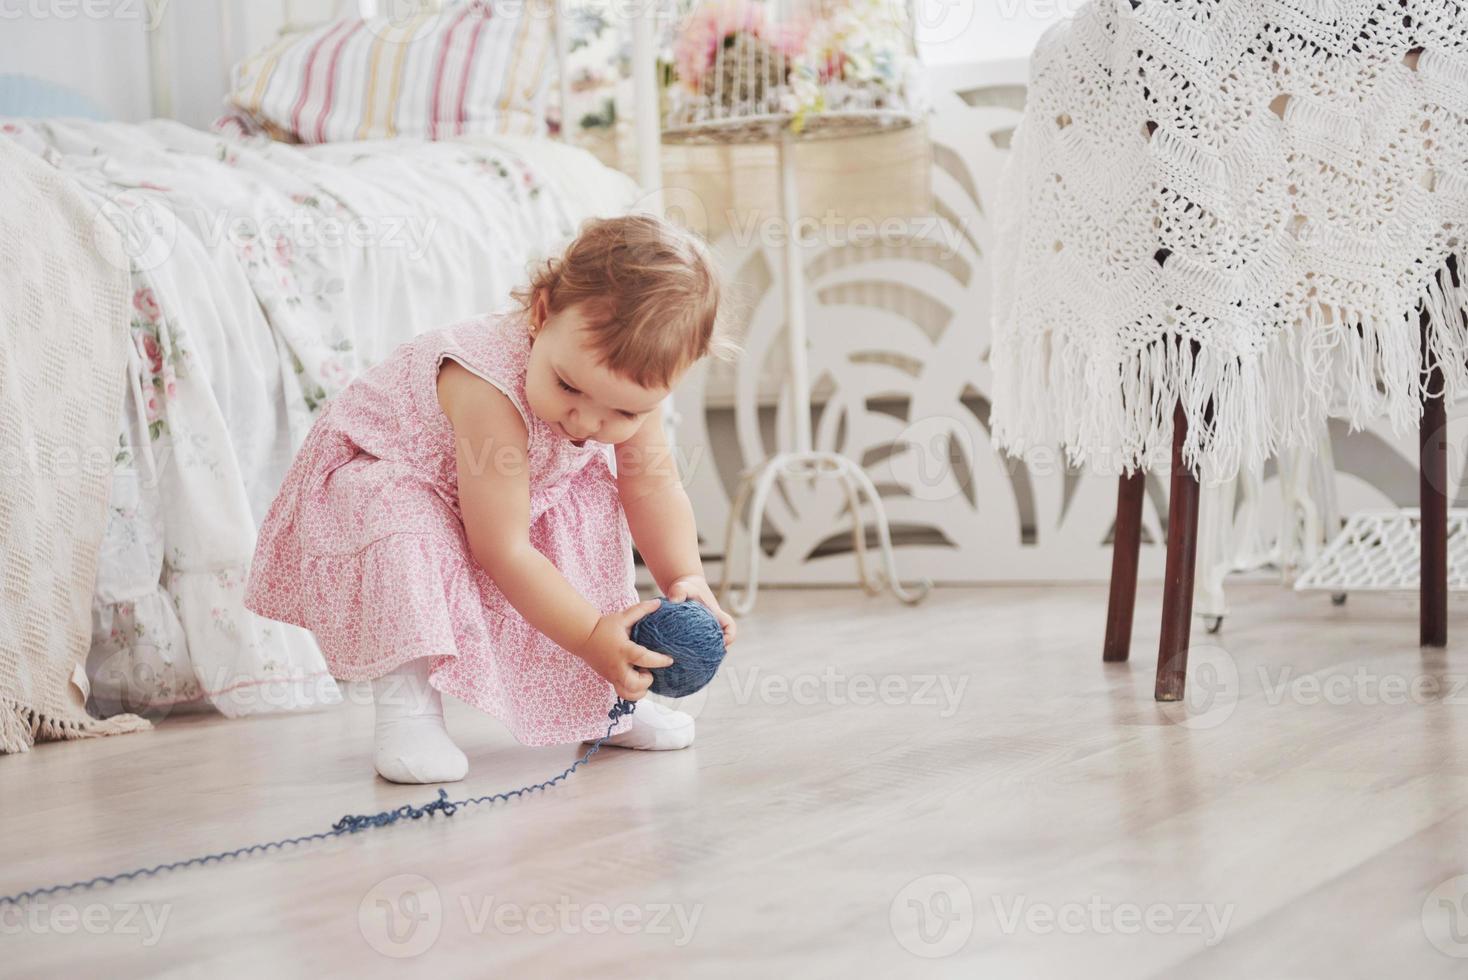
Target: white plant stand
column 803, row 461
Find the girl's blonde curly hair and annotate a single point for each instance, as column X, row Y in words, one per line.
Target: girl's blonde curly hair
column 649, row 292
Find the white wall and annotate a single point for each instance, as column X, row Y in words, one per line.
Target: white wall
column 99, row 50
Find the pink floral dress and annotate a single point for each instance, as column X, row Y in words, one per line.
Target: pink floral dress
column 365, row 543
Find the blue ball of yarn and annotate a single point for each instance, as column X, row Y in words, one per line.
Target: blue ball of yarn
column 689, row 633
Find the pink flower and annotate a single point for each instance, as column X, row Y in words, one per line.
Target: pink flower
column 834, row 66
column 696, row 49
column 283, row 250
column 147, row 304
column 153, row 353
column 151, row 408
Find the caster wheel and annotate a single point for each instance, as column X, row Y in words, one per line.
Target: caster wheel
column 1338, row 599
column 1213, row 623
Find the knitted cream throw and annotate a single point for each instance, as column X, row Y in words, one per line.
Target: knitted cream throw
column 63, row 323
column 1241, row 204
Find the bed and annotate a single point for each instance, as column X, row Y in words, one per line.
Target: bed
column 263, row 277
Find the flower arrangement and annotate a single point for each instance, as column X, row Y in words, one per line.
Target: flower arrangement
column 848, row 55
column 712, row 25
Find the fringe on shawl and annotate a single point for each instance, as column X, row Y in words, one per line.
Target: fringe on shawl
column 20, row 726
column 1115, row 410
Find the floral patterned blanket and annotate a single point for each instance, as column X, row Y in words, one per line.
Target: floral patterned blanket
column 264, row 277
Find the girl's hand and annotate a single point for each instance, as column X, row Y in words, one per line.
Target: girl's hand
column 611, row 653
column 696, row 587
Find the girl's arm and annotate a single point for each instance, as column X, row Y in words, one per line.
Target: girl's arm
column 660, row 517
column 659, row 513
column 494, row 496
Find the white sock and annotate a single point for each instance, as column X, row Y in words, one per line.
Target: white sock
column 413, row 746
column 655, row 727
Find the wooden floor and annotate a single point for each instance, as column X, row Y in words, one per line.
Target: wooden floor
column 962, row 789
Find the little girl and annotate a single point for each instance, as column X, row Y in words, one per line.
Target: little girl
column 452, row 523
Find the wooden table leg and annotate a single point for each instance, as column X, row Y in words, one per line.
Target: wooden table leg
column 1177, row 586
column 1432, row 445
column 1126, row 543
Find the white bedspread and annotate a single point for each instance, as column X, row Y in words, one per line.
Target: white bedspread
column 264, row 278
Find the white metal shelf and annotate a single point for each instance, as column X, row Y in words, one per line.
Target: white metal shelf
column 1380, row 551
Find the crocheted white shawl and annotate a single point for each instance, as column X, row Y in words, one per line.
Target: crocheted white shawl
column 1241, row 204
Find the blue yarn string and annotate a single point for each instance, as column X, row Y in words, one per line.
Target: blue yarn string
column 349, row 824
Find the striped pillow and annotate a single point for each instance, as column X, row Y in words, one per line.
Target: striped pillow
column 465, row 70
